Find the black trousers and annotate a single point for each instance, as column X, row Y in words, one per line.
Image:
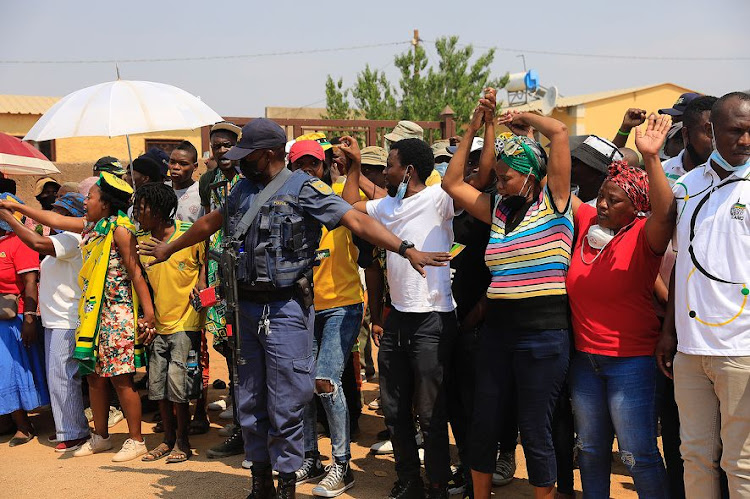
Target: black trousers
column 414, row 352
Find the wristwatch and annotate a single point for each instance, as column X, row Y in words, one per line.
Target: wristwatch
column 405, row 245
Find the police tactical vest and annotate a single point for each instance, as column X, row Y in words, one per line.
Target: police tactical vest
column 279, row 248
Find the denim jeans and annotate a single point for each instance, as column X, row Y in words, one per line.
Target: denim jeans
column 336, row 330
column 617, row 395
column 519, row 370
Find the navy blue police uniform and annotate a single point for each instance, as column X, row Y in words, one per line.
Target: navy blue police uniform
column 276, row 380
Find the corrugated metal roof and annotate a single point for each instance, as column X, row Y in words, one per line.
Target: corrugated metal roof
column 575, row 100
column 26, row 104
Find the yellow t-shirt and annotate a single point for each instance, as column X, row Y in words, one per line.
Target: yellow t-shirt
column 336, row 277
column 172, row 281
column 433, row 179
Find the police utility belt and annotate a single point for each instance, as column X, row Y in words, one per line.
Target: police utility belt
column 266, row 293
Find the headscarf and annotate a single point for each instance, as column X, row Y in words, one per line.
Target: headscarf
column 634, row 182
column 522, row 154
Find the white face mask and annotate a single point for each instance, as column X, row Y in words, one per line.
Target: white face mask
column 598, row 237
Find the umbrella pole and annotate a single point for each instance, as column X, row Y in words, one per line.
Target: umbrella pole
column 130, row 155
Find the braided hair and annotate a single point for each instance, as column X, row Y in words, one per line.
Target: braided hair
column 159, row 197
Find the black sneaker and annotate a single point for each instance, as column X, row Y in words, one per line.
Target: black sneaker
column 262, row 485
column 457, row 483
column 232, row 446
column 407, row 489
column 311, row 469
column 338, row 480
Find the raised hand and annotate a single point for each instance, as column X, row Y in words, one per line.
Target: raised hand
column 650, row 140
column 633, row 117
column 349, row 146
column 477, row 118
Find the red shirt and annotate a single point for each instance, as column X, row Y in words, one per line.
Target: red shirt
column 611, row 304
column 15, row 259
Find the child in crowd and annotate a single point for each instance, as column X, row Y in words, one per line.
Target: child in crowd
column 174, row 373
column 107, row 343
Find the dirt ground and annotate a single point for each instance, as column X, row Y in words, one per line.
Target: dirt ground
column 34, row 470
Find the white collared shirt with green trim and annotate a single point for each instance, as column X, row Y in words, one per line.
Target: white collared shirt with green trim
column 712, row 272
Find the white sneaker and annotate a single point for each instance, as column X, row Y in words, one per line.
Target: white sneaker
column 375, row 404
column 382, row 448
column 227, row 431
column 130, row 450
column 93, row 445
column 227, row 413
column 219, row 405
column 247, row 464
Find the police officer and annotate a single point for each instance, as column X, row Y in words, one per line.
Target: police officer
column 278, row 248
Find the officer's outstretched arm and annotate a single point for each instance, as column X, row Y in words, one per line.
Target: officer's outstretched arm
column 199, row 232
column 373, row 231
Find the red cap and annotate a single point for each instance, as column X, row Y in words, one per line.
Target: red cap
column 306, row 148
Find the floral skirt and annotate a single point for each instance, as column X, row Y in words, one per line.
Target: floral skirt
column 23, row 384
column 116, row 340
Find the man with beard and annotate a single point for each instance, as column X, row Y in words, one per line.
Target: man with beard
column 418, row 334
column 707, row 321
column 275, row 218
column 697, row 150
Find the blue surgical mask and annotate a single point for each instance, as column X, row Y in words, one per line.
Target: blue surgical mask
column 401, row 191
column 441, row 168
column 717, row 158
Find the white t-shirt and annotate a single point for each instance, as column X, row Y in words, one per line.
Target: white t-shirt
column 673, row 168
column 188, row 203
column 425, row 219
column 59, row 292
column 712, row 286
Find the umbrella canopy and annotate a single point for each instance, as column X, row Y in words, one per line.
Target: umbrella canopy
column 21, row 158
column 122, row 107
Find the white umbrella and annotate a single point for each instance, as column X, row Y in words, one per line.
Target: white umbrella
column 122, row 107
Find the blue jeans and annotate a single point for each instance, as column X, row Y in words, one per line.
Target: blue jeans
column 617, row 395
column 336, row 330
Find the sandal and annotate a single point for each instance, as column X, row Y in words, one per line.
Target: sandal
column 159, row 452
column 178, row 455
column 199, row 427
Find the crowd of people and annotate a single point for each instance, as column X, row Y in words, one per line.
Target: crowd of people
column 521, row 285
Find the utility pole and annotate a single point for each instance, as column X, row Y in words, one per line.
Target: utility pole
column 415, row 43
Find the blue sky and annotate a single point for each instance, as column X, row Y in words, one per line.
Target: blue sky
column 87, row 30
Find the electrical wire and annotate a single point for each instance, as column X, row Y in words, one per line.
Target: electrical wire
column 604, row 56
column 208, row 58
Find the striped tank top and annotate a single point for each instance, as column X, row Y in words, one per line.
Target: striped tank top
column 532, row 259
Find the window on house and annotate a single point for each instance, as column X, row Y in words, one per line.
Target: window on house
column 165, row 145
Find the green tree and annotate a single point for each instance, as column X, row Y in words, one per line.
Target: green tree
column 337, row 104
column 423, row 89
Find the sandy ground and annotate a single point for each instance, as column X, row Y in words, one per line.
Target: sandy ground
column 35, row 470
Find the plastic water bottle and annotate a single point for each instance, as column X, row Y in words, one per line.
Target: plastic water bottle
column 192, row 362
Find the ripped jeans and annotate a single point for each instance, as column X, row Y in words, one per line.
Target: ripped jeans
column 336, row 330
column 617, row 396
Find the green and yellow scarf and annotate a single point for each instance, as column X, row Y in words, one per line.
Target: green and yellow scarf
column 92, row 279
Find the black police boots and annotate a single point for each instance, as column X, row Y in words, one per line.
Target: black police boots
column 407, row 489
column 232, row 446
column 287, row 488
column 262, row 484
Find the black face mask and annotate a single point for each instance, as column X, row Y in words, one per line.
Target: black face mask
column 694, row 156
column 250, row 168
column 46, row 201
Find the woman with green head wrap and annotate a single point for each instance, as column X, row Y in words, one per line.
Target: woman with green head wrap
column 524, row 339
